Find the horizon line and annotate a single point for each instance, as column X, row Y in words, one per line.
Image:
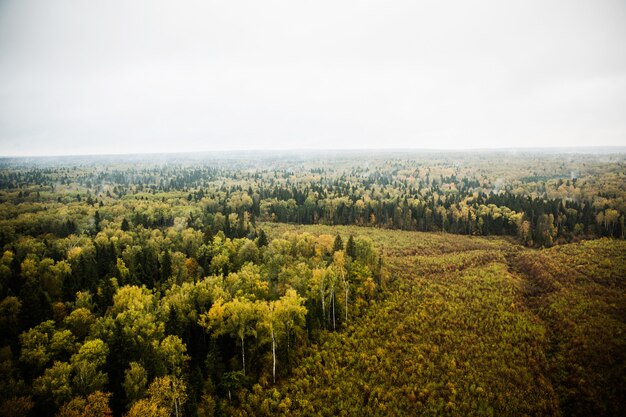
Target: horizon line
column 565, row 149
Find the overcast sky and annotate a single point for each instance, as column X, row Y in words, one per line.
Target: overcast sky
column 118, row 76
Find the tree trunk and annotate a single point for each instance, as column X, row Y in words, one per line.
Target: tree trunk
column 243, row 356
column 347, row 291
column 273, row 357
column 323, row 307
column 288, row 347
column 332, row 299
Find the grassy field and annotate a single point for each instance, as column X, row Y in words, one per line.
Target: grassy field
column 469, row 326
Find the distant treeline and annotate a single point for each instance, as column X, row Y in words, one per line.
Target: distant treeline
column 540, row 209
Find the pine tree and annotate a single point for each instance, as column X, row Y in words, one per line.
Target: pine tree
column 338, row 245
column 262, row 239
column 96, row 220
column 351, row 248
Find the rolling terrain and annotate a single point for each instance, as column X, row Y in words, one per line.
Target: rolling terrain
column 469, row 326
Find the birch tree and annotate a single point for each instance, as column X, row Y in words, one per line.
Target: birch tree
column 339, row 265
column 236, row 318
column 279, row 318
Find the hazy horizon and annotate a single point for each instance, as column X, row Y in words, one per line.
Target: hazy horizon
column 153, row 77
column 313, row 151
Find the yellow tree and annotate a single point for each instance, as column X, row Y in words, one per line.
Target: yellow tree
column 166, row 396
column 317, row 285
column 270, row 323
column 291, row 312
column 95, row 405
column 332, row 281
column 279, row 318
column 237, row 318
column 339, row 265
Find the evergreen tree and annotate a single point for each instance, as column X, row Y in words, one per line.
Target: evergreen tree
column 166, row 266
column 338, row 245
column 262, row 239
column 351, row 248
column 96, row 220
column 125, row 226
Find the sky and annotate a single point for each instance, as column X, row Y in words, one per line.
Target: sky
column 150, row 76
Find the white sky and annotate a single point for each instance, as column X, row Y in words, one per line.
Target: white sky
column 117, row 76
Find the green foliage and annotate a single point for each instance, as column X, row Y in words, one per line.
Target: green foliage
column 179, row 288
column 86, row 365
column 43, row 343
column 135, row 382
column 55, row 384
column 9, row 315
column 165, row 397
column 173, row 356
column 79, row 322
column 561, row 199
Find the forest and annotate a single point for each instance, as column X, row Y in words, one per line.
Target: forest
column 345, row 283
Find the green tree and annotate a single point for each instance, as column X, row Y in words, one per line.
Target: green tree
column 351, row 248
column 166, row 266
column 173, row 355
column 55, row 384
column 125, row 226
column 9, row 316
column 262, row 239
column 96, row 221
column 79, row 322
column 34, row 344
column 135, row 382
column 86, row 364
column 338, row 244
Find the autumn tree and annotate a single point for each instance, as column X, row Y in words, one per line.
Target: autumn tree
column 95, row 405
column 135, row 382
column 87, row 364
column 165, row 397
column 279, row 318
column 339, row 266
column 236, row 318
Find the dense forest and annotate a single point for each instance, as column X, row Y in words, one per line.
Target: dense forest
column 541, row 199
column 313, row 284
